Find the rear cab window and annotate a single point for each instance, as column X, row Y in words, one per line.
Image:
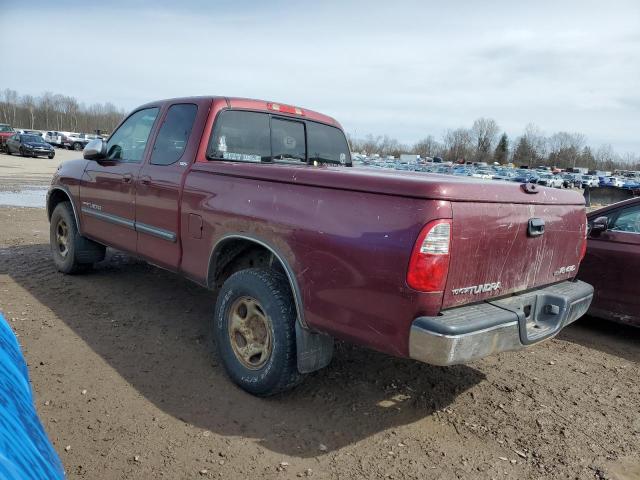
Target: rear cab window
column 258, row 137
column 287, row 141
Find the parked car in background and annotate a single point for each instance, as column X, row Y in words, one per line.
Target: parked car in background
column 571, row 180
column 504, row 174
column 631, row 184
column 550, row 180
column 612, row 262
column 5, row 132
column 614, row 182
column 525, row 176
column 29, row 146
column 29, row 132
column 590, row 181
column 483, row 172
column 56, row 138
column 77, row 141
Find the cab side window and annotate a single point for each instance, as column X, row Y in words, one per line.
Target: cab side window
column 174, row 134
column 627, row 221
column 128, row 143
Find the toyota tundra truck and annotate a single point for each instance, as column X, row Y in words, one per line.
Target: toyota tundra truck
column 258, row 202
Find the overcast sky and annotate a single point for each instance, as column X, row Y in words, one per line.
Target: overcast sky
column 407, row 69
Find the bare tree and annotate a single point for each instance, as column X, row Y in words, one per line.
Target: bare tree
column 536, row 141
column 565, row 148
column 483, row 134
column 427, row 147
column 29, row 104
column 10, row 98
column 54, row 111
column 458, row 144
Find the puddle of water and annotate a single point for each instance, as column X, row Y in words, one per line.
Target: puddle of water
column 28, row 197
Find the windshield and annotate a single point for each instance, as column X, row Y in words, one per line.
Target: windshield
column 5, row 128
column 31, row 139
column 586, row 177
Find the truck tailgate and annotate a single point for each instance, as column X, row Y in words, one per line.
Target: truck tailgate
column 494, row 254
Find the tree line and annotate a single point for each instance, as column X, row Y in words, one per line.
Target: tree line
column 53, row 111
column 484, row 142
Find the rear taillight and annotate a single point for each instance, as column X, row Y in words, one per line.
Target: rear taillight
column 583, row 246
column 429, row 263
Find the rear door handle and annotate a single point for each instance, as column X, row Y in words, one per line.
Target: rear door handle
column 145, row 180
column 127, row 177
column 536, row 227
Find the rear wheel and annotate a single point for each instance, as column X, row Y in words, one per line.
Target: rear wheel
column 254, row 331
column 6, row 149
column 71, row 251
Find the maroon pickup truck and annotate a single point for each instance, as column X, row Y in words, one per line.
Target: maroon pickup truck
column 259, row 202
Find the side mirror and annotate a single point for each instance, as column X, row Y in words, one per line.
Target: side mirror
column 599, row 225
column 95, row 150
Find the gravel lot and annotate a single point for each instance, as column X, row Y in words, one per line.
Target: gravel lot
column 123, row 375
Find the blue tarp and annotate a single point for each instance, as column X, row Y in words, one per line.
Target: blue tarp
column 25, row 450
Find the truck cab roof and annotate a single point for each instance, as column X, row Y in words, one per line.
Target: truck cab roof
column 241, row 103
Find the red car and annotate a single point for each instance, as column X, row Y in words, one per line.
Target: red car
column 259, row 202
column 613, row 261
column 5, row 132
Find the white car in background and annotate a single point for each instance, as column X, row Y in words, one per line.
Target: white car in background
column 483, row 173
column 590, row 181
column 616, row 181
column 26, row 131
column 77, row 141
column 550, row 180
column 56, row 138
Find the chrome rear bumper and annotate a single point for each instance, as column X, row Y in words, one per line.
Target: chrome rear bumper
column 468, row 333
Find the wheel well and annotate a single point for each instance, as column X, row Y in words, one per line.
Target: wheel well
column 55, row 198
column 238, row 254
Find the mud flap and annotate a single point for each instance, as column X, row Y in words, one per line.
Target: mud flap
column 314, row 350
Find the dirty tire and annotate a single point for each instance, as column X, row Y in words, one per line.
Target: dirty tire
column 270, row 291
column 71, row 251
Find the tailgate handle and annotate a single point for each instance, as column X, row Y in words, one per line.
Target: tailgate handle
column 536, row 227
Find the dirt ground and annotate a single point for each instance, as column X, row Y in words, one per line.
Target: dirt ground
column 126, row 387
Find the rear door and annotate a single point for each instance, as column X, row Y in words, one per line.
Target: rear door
column 107, row 190
column 160, row 183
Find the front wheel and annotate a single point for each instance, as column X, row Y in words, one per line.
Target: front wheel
column 254, row 331
column 71, row 251
column 77, row 146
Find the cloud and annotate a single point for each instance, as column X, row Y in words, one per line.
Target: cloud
column 408, row 69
